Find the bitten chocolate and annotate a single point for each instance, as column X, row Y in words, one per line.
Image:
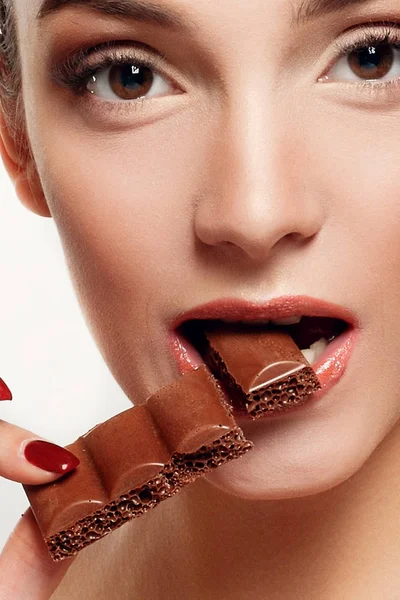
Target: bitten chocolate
column 262, row 369
column 133, row 461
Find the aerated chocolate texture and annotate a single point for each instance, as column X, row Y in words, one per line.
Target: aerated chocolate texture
column 261, row 369
column 132, row 462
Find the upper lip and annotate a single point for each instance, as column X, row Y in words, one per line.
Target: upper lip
column 275, row 309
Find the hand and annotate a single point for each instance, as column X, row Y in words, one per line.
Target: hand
column 27, row 570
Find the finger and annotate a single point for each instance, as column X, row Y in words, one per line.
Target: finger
column 28, row 572
column 28, row 459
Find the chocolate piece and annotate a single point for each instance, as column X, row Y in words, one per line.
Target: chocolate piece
column 262, row 369
column 133, row 461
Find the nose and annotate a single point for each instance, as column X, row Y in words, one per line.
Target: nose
column 258, row 186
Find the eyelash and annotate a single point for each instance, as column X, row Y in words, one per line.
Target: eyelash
column 390, row 35
column 75, row 72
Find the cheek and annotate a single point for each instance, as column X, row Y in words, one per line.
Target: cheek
column 359, row 182
column 123, row 207
column 124, row 202
column 358, row 159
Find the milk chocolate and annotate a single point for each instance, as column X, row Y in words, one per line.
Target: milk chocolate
column 262, row 369
column 133, row 461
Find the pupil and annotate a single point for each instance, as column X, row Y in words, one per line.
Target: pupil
column 372, row 62
column 131, row 82
column 370, row 57
column 132, row 77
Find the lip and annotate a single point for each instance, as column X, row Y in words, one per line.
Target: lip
column 277, row 308
column 329, row 368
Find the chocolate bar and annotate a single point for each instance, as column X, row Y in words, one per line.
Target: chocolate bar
column 133, row 461
column 261, row 369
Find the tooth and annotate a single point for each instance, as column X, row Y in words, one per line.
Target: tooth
column 287, row 321
column 320, row 345
column 316, row 349
column 309, row 355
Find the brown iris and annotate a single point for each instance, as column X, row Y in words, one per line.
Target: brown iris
column 373, row 62
column 130, row 81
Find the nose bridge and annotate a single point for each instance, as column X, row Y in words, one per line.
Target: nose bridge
column 253, row 195
column 250, row 154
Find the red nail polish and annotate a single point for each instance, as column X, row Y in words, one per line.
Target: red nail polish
column 5, row 393
column 50, row 457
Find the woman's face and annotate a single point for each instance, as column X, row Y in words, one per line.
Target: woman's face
column 257, row 164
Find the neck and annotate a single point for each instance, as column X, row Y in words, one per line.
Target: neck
column 205, row 543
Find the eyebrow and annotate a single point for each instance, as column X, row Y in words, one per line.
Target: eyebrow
column 139, row 10
column 147, row 12
column 313, row 9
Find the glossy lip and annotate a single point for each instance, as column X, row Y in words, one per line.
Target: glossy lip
column 277, row 308
column 329, row 368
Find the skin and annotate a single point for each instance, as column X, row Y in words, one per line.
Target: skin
column 252, row 175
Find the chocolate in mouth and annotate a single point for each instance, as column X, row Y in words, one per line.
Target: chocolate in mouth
column 260, row 367
column 304, row 334
column 311, row 329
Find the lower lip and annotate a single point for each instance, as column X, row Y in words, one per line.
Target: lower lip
column 329, row 368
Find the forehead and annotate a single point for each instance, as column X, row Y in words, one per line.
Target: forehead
column 38, row 18
column 31, row 8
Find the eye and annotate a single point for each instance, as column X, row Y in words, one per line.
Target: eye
column 379, row 61
column 128, row 81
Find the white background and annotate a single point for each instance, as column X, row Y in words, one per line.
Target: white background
column 60, row 383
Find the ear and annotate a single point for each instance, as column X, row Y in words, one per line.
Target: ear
column 23, row 174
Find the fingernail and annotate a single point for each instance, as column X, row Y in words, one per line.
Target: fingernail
column 5, row 393
column 50, row 457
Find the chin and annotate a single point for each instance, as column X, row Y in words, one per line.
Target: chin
column 293, row 470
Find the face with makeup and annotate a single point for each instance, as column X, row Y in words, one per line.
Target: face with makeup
column 234, row 153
